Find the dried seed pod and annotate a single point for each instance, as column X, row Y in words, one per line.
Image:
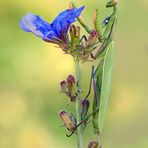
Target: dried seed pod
column 63, row 86
column 68, row 87
column 71, row 87
column 93, row 144
column 68, row 120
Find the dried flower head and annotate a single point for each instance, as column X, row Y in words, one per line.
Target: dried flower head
column 68, row 120
column 93, row 144
column 68, row 87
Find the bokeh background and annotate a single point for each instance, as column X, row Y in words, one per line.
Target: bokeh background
column 30, row 72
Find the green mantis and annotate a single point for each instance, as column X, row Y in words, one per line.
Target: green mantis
column 105, row 56
column 102, row 75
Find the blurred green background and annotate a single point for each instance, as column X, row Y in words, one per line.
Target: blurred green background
column 30, row 72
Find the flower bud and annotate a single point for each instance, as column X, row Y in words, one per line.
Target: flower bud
column 63, row 86
column 77, row 32
column 71, row 87
column 72, row 31
column 93, row 144
column 70, row 6
column 112, row 3
column 68, row 87
column 75, row 35
column 68, row 120
column 85, row 106
column 71, row 80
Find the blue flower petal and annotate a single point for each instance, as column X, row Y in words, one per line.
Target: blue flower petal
column 41, row 28
column 79, row 11
column 35, row 24
column 65, row 19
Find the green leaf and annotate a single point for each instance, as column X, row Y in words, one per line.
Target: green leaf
column 106, row 82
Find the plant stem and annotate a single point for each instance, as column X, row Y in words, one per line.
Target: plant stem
column 99, row 140
column 78, row 106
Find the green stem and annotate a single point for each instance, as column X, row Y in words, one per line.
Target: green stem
column 78, row 106
column 99, row 140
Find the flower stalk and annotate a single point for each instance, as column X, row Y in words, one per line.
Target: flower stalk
column 78, row 105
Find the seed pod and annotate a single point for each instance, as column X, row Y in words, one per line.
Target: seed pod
column 71, row 80
column 85, row 106
column 72, row 34
column 63, row 85
column 93, row 144
column 68, row 120
column 75, row 35
column 71, row 87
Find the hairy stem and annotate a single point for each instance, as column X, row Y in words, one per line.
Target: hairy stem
column 78, row 106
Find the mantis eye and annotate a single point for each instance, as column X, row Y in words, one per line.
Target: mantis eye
column 105, row 22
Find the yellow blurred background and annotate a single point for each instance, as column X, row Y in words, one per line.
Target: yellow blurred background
column 30, row 72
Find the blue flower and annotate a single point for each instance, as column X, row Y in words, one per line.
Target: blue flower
column 56, row 31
